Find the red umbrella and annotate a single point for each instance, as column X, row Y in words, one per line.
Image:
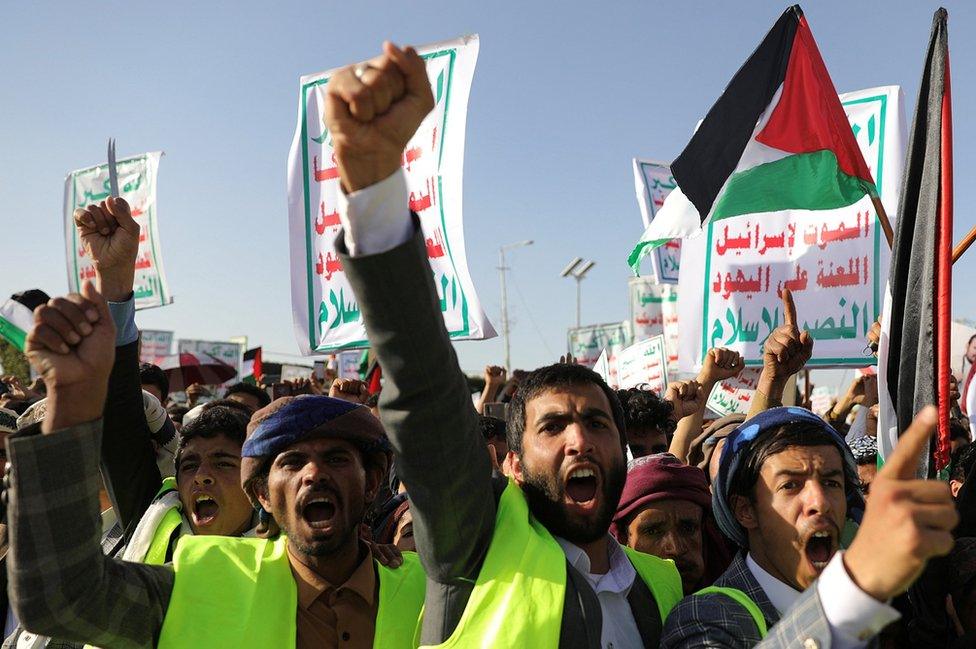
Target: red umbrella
column 188, row 368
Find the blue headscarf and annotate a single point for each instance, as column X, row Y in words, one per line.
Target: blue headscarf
column 736, row 452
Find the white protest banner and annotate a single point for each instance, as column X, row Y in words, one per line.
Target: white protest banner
column 154, row 345
column 348, row 364
column 226, row 351
column 586, row 344
column 654, row 312
column 653, row 182
column 137, row 185
column 835, row 262
column 326, row 316
column 293, row 372
column 734, row 396
column 821, row 399
column 644, row 363
column 602, row 367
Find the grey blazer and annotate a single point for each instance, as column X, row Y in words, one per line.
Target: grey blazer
column 715, row 620
column 441, row 456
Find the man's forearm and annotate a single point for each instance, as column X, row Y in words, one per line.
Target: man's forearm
column 59, row 582
column 426, row 409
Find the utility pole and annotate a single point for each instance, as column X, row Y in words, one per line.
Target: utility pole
column 501, row 269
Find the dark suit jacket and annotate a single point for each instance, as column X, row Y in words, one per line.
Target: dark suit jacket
column 427, row 411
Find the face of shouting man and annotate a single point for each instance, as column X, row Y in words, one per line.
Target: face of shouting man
column 318, row 490
column 571, row 466
column 796, row 514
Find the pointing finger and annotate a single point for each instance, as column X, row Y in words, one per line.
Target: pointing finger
column 911, row 445
column 789, row 309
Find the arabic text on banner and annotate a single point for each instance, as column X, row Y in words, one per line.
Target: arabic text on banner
column 137, row 185
column 326, row 316
column 734, row 396
column 228, row 352
column 653, row 182
column 654, row 312
column 587, row 343
column 644, row 364
column 154, row 345
column 834, row 261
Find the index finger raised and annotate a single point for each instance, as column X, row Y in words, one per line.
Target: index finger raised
column 911, row 444
column 789, row 309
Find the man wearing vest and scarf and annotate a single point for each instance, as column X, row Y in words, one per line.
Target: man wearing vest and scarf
column 787, row 494
column 312, row 463
column 524, row 562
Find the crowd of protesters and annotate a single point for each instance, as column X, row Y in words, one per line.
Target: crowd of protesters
column 548, row 511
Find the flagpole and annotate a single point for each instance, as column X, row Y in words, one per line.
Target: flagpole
column 883, row 219
column 963, row 245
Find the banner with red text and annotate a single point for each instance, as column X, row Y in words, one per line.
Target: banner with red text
column 835, row 262
column 644, row 364
column 326, row 316
column 587, row 343
column 653, row 182
column 654, row 312
column 137, row 185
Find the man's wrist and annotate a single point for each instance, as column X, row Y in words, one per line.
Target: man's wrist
column 116, row 286
column 360, row 174
column 72, row 405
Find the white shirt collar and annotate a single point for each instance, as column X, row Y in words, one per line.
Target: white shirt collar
column 618, row 579
column 781, row 596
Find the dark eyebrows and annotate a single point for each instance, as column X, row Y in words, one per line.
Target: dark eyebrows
column 829, row 473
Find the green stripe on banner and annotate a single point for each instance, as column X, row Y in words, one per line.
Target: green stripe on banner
column 806, row 181
column 13, row 333
column 642, row 249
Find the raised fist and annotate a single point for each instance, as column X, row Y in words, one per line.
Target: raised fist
column 686, row 397
column 720, row 364
column 372, row 110
column 352, row 390
column 111, row 239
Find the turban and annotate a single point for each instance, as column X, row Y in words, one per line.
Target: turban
column 737, row 452
column 291, row 420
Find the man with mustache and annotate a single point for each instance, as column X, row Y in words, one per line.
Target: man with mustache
column 313, row 464
column 785, row 492
column 525, row 561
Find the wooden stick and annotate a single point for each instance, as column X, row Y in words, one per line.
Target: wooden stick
column 883, row 219
column 963, row 245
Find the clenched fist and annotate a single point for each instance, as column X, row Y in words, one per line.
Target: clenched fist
column 720, row 364
column 372, row 110
column 111, row 239
column 686, row 397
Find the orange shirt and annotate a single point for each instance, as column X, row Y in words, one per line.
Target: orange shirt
column 336, row 616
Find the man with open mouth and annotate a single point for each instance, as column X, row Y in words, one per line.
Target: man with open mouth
column 524, row 561
column 787, row 493
column 310, row 465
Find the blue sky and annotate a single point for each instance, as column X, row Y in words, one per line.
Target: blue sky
column 564, row 95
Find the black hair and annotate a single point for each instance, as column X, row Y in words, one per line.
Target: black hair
column 962, row 462
column 216, row 420
column 491, row 427
column 777, row 440
column 150, row 374
column 643, row 408
column 252, row 390
column 244, row 409
column 176, row 412
column 558, row 375
column 958, row 430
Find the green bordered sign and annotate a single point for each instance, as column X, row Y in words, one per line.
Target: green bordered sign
column 137, row 185
column 326, row 315
column 834, row 261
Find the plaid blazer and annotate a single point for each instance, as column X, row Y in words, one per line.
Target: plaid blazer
column 715, row 620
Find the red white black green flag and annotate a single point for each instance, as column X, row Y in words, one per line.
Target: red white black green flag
column 776, row 139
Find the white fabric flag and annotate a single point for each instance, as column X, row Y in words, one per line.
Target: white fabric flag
column 326, row 316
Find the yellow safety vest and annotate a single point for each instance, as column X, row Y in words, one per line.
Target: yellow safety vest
column 232, row 593
column 517, row 600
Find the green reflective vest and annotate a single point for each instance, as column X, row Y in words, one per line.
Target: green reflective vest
column 233, row 593
column 744, row 600
column 172, row 519
column 517, row 600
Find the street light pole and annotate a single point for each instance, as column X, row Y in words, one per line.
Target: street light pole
column 578, row 272
column 501, row 269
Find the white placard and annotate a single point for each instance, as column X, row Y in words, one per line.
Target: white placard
column 644, row 364
column 586, row 344
column 734, row 396
column 137, row 185
column 653, row 182
column 326, row 315
column 153, row 345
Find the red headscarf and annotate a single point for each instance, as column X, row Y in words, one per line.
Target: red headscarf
column 663, row 477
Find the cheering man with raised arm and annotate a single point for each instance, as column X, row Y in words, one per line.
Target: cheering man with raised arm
column 523, row 562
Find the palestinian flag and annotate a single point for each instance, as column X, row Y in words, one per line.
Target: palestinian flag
column 251, row 369
column 777, row 139
column 913, row 358
column 17, row 315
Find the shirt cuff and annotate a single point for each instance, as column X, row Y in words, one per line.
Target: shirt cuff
column 854, row 616
column 124, row 317
column 376, row 219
